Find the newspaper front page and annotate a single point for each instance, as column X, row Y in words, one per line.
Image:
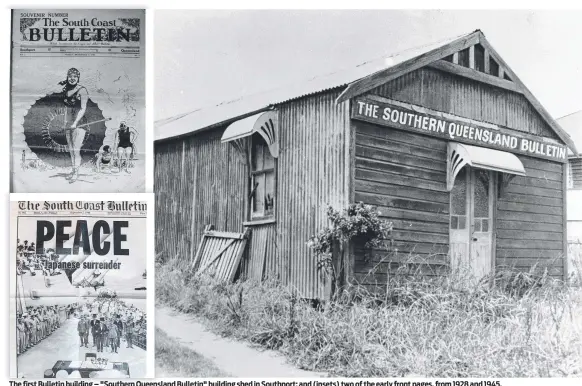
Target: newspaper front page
column 78, row 100
column 78, row 289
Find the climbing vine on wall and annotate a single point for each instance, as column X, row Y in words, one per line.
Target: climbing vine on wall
column 360, row 223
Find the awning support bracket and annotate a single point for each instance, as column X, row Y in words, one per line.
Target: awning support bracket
column 265, row 124
column 240, row 147
column 459, row 155
column 456, row 159
column 268, row 130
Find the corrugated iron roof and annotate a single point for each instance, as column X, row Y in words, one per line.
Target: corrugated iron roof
column 572, row 124
column 203, row 118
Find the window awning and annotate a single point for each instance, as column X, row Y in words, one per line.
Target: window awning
column 264, row 123
column 459, row 155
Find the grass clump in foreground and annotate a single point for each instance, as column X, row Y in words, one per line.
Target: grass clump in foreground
column 420, row 328
column 176, row 360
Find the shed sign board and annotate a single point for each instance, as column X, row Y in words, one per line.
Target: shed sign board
column 409, row 117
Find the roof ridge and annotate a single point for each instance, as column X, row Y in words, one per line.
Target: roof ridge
column 572, row 113
column 415, row 48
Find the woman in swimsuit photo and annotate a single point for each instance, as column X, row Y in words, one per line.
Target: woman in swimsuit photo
column 75, row 99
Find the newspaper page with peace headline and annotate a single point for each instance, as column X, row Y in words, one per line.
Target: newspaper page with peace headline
column 78, row 101
column 78, row 289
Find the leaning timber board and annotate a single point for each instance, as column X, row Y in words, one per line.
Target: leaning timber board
column 219, row 254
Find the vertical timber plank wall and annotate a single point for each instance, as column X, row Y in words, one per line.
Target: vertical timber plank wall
column 312, row 173
column 404, row 175
column 453, row 94
column 199, row 181
column 260, row 261
column 220, row 185
column 530, row 214
column 167, row 180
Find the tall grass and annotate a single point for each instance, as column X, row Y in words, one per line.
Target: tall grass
column 412, row 327
column 575, row 263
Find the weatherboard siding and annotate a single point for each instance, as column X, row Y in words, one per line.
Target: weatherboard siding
column 404, row 175
column 530, row 219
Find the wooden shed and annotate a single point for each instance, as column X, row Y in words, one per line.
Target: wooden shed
column 444, row 139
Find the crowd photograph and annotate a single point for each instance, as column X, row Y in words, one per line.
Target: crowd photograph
column 78, row 323
column 29, row 261
column 36, row 324
column 105, row 324
column 82, row 337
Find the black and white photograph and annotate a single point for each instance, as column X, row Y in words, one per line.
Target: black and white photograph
column 79, row 289
column 368, row 193
column 77, row 101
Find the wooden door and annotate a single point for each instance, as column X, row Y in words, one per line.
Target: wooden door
column 471, row 223
column 481, row 240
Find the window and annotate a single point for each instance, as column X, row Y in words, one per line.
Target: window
column 459, row 201
column 493, row 67
column 262, row 200
column 464, row 57
column 479, row 58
